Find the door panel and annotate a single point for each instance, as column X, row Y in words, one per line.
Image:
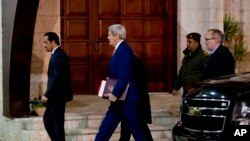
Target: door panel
column 133, row 8
column 76, row 41
column 151, row 32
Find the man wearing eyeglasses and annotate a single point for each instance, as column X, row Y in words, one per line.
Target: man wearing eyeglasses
column 221, row 61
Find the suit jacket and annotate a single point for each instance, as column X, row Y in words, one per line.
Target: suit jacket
column 220, row 63
column 121, row 69
column 59, row 84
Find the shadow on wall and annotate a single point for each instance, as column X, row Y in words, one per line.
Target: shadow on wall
column 38, row 76
column 36, row 64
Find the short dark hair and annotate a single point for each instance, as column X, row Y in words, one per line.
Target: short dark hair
column 195, row 36
column 52, row 36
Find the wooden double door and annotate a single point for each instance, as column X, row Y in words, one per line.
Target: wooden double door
column 151, row 32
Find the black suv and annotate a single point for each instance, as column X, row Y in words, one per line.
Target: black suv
column 216, row 110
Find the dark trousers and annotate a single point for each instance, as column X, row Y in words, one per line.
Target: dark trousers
column 115, row 115
column 53, row 120
column 126, row 133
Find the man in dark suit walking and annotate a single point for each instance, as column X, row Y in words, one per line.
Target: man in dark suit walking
column 121, row 68
column 221, row 61
column 140, row 76
column 59, row 89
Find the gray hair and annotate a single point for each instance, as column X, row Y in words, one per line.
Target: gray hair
column 118, row 29
column 216, row 33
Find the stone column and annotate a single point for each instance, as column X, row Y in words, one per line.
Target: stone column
column 197, row 16
column 1, row 64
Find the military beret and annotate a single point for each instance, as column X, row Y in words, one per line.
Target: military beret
column 194, row 36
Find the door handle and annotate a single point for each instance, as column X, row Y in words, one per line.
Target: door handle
column 97, row 42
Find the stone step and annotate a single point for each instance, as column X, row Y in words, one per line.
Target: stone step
column 71, row 122
column 94, row 121
column 88, row 134
column 81, row 127
column 84, row 116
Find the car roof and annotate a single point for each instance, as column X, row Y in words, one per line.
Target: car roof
column 239, row 80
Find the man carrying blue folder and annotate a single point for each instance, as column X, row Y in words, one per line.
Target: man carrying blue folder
column 121, row 68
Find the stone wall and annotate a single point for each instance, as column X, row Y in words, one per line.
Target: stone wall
column 1, row 60
column 197, row 16
column 240, row 11
column 1, row 77
column 11, row 129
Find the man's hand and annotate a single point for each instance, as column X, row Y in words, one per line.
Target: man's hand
column 174, row 92
column 112, row 97
column 44, row 99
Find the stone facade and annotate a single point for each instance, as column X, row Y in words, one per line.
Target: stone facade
column 241, row 12
column 193, row 16
column 1, row 71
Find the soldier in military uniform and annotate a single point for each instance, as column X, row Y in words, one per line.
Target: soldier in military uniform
column 192, row 64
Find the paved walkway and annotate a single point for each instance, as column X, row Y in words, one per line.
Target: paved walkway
column 92, row 104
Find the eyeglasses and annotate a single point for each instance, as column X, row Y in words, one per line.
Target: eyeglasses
column 207, row 39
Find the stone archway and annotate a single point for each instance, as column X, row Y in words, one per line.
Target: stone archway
column 19, row 17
